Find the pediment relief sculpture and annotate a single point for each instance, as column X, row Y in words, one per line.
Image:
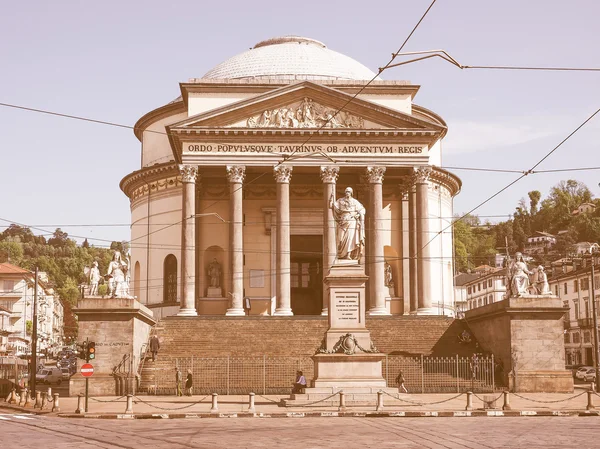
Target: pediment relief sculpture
column 304, row 114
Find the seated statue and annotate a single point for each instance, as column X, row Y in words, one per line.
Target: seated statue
column 518, row 277
column 541, row 282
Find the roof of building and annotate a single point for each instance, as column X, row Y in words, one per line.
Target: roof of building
column 7, row 268
column 291, row 58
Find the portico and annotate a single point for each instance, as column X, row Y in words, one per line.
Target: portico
column 254, row 166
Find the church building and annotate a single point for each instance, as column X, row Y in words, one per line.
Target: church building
column 231, row 207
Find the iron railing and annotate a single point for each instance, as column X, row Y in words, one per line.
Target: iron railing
column 275, row 375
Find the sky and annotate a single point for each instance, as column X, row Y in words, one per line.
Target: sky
column 115, row 61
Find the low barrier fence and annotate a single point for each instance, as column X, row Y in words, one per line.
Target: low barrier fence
column 275, row 375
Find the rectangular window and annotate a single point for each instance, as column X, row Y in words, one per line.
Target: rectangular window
column 575, row 337
column 566, row 290
column 469, row 290
column 479, row 287
column 585, row 284
column 576, row 308
column 587, row 307
column 575, row 286
column 586, row 337
column 597, row 282
column 8, row 286
column 556, row 290
column 489, row 283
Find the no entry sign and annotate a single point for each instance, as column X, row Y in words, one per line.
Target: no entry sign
column 87, row 370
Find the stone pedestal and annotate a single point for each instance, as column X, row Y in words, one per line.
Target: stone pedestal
column 527, row 335
column 119, row 327
column 348, row 359
column 214, row 292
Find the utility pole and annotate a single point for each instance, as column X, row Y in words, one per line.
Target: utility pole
column 33, row 368
column 595, row 324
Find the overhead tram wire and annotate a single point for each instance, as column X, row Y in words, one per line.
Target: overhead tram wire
column 525, row 173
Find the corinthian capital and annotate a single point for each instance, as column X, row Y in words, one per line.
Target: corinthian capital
column 189, row 173
column 405, row 186
column 375, row 174
column 236, row 173
column 329, row 174
column 421, row 174
column 282, row 173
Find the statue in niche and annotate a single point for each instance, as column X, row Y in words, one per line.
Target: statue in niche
column 349, row 216
column 214, row 274
column 518, row 277
column 117, row 270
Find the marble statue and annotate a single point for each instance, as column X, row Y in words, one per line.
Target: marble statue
column 349, row 216
column 541, row 282
column 518, row 277
column 94, row 278
column 389, row 279
column 116, row 272
column 214, row 274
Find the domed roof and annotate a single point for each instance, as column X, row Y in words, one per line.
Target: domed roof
column 291, row 58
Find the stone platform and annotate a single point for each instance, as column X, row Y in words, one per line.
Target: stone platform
column 354, row 396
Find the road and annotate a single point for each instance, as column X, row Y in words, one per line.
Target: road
column 22, row 431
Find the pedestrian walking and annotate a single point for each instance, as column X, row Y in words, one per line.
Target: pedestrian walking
column 154, row 347
column 178, row 379
column 400, row 382
column 188, row 383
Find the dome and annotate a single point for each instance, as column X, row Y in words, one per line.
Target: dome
column 291, row 58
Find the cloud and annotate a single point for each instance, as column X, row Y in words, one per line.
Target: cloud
column 467, row 136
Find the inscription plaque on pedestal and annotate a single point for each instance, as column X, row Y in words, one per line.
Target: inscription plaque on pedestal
column 346, row 307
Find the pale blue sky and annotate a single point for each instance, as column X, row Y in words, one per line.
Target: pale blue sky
column 116, row 60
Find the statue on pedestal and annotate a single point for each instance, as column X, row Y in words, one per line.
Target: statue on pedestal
column 214, row 279
column 517, row 275
column 349, row 216
column 94, row 277
column 541, row 282
column 116, row 272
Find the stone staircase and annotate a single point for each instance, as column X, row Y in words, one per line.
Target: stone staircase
column 186, row 338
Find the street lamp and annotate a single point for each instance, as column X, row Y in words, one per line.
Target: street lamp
column 595, row 318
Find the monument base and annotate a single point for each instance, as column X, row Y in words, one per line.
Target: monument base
column 353, row 396
column 214, row 292
column 342, row 371
column 541, row 381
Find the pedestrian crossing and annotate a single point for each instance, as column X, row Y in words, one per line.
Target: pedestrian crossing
column 16, row 416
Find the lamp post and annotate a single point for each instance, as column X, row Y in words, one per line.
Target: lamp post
column 595, row 318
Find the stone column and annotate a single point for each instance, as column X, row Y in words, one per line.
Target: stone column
column 235, row 176
column 329, row 175
column 187, row 302
column 283, row 175
column 403, row 287
column 423, row 248
column 375, row 254
column 412, row 247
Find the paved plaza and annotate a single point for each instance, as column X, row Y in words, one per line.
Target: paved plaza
column 526, row 432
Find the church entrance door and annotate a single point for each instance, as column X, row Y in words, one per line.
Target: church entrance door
column 306, row 274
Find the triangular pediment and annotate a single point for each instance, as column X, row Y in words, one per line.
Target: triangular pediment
column 307, row 105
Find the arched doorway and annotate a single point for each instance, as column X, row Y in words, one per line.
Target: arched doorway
column 170, row 279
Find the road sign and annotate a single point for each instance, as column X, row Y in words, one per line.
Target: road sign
column 87, row 370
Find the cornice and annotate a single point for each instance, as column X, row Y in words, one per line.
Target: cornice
column 446, row 179
column 157, row 114
column 142, row 179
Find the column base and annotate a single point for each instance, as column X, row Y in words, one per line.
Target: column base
column 378, row 311
column 325, row 312
column 283, row 312
column 426, row 311
column 187, row 312
column 235, row 312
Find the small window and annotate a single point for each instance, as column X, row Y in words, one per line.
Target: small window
column 575, row 285
column 575, row 337
column 469, row 290
column 556, row 290
column 566, row 289
column 8, row 286
column 585, row 284
column 489, row 283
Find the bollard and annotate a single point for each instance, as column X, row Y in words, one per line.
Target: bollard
column 38, row 399
column 80, row 406
column 379, row 401
column 55, row 406
column 506, row 405
column 12, row 397
column 590, row 404
column 49, row 394
column 28, row 399
column 129, row 408
column 23, row 399
column 251, row 408
column 469, row 401
column 342, row 407
column 44, row 402
column 215, row 406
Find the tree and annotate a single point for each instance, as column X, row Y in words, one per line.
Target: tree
column 534, row 199
column 11, row 252
column 69, row 292
column 59, row 239
column 85, row 244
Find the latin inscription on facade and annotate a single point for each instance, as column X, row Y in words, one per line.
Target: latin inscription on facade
column 365, row 150
column 347, row 307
